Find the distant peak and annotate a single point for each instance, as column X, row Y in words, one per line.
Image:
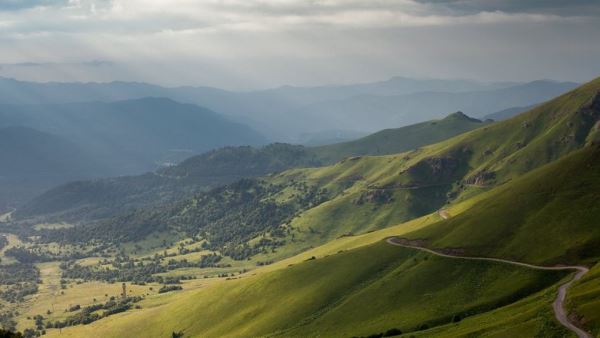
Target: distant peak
column 460, row 116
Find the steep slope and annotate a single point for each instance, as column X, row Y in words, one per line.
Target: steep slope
column 33, row 161
column 378, row 287
column 101, row 198
column 88, row 200
column 553, row 209
column 356, row 293
column 244, row 161
column 392, row 141
column 363, row 194
column 133, row 136
column 371, row 193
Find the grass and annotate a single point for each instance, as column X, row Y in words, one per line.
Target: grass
column 357, row 292
column 354, row 285
column 529, row 317
column 358, row 286
column 13, row 241
column 6, row 217
column 548, row 216
column 52, row 226
column 584, row 300
column 392, row 141
column 436, row 177
column 52, row 297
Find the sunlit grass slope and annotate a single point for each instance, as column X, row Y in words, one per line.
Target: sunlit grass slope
column 545, row 217
column 357, row 292
column 371, row 193
column 376, row 287
column 549, row 216
column 584, row 300
column 391, row 141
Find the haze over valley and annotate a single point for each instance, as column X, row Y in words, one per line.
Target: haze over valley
column 294, row 168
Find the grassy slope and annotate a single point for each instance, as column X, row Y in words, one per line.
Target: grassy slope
column 545, row 134
column 553, row 209
column 584, row 299
column 392, row 141
column 376, row 287
column 104, row 197
column 420, row 181
column 382, row 285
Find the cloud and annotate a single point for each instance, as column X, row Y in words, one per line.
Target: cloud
column 211, row 16
column 558, row 7
column 14, row 5
column 225, row 42
column 92, row 63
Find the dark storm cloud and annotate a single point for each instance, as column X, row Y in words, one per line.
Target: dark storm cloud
column 232, row 43
column 557, row 7
column 13, row 5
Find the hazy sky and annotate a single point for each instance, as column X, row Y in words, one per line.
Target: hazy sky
column 263, row 43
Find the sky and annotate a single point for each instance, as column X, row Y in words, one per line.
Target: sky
column 250, row 44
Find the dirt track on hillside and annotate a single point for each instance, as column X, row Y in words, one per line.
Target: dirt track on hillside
column 558, row 305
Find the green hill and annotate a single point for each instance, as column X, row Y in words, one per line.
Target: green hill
column 85, row 200
column 363, row 194
column 133, row 136
column 357, row 293
column 371, row 193
column 101, row 198
column 523, row 189
column 392, row 141
column 375, row 288
column 33, row 161
column 553, row 209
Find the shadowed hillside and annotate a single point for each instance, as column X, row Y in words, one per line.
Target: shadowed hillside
column 102, row 198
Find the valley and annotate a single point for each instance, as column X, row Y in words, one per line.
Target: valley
column 448, row 228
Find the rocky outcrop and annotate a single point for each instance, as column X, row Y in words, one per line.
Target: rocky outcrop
column 435, row 169
column 377, row 196
column 481, row 178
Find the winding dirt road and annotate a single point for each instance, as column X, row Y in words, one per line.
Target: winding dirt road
column 558, row 305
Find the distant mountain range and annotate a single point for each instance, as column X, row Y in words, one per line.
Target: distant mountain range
column 507, row 113
column 48, row 144
column 33, row 161
column 445, row 228
column 285, row 113
column 134, row 135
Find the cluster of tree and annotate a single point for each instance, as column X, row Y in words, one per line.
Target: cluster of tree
column 105, row 198
column 32, row 333
column 20, row 280
column 137, row 274
column 167, row 288
column 95, row 312
column 36, row 253
column 3, row 241
column 26, row 256
column 39, row 329
column 10, row 334
column 226, row 217
column 7, row 320
column 127, row 269
column 206, row 261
